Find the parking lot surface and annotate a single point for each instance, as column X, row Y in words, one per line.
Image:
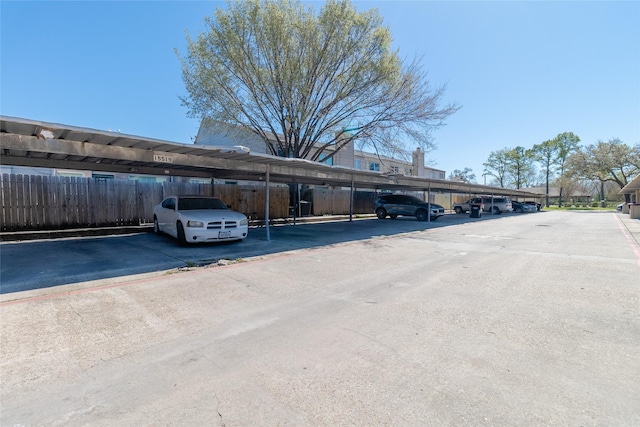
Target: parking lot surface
column 516, row 320
column 32, row 265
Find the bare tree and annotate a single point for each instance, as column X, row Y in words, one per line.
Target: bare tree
column 309, row 82
column 465, row 175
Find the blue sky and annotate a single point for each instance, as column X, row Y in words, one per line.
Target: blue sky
column 523, row 71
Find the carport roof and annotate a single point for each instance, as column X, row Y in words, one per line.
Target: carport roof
column 632, row 186
column 40, row 144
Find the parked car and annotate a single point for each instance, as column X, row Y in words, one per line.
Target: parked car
column 522, row 207
column 496, row 204
column 537, row 205
column 194, row 219
column 619, row 207
column 393, row 205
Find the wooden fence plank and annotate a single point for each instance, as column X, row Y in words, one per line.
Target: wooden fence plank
column 36, row 189
column 9, row 207
column 7, row 222
column 4, row 200
column 20, row 201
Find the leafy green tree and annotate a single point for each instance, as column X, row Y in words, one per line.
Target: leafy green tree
column 309, row 82
column 545, row 153
column 611, row 161
column 552, row 156
column 519, row 162
column 497, row 166
column 465, row 175
column 567, row 144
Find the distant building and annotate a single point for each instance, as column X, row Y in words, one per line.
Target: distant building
column 347, row 157
column 568, row 195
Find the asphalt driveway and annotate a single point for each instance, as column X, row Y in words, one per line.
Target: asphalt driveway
column 45, row 263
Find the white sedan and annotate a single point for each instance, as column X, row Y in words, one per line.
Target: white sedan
column 194, row 219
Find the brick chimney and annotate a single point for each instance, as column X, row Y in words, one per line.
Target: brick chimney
column 418, row 162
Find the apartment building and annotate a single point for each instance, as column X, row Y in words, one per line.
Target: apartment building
column 348, row 156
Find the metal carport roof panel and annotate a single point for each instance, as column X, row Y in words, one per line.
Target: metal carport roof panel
column 33, row 143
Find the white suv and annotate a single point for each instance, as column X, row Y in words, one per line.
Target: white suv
column 495, row 205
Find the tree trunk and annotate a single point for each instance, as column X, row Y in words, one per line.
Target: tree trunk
column 547, row 192
column 560, row 198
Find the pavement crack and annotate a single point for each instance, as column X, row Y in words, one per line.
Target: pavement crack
column 218, row 409
column 76, row 312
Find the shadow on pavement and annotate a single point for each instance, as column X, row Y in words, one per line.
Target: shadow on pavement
column 45, row 263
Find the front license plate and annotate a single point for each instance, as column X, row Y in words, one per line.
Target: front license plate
column 224, row 234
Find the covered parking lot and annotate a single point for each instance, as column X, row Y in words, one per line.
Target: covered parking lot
column 39, row 144
column 458, row 321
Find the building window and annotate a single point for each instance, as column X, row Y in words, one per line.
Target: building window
column 395, row 169
column 441, row 175
column 327, row 161
column 71, row 174
column 143, row 178
column 408, row 171
column 199, row 180
column 357, row 164
column 101, row 177
column 373, row 166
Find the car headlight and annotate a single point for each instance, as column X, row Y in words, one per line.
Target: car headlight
column 244, row 222
column 192, row 223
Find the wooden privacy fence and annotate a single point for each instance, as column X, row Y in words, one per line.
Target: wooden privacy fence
column 336, row 202
column 251, row 199
column 53, row 202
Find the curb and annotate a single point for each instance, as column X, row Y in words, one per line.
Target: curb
column 19, row 236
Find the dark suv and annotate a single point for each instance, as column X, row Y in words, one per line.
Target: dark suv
column 398, row 204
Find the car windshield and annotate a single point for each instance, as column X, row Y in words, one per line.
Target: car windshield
column 190, row 204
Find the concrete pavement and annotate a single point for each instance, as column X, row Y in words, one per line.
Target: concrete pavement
column 632, row 225
column 523, row 320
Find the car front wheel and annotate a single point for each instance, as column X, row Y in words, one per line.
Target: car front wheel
column 496, row 210
column 421, row 215
column 181, row 237
column 458, row 210
column 381, row 213
column 156, row 226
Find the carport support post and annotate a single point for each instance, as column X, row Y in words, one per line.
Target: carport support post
column 429, row 203
column 351, row 200
column 450, row 199
column 266, row 207
column 295, row 202
column 492, row 195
